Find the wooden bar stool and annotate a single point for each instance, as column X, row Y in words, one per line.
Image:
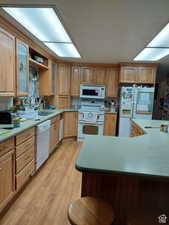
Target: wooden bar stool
column 90, row 211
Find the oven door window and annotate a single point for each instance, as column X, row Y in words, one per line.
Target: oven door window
column 90, row 129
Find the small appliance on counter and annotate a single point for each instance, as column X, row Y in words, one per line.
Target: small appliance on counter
column 6, row 120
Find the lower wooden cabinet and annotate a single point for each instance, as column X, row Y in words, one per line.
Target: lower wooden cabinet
column 135, row 130
column 70, row 124
column 25, row 156
column 7, row 181
column 110, row 120
column 24, row 175
column 54, row 133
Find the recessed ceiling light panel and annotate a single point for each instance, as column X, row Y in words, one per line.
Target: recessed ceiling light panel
column 162, row 39
column 151, row 54
column 63, row 50
column 45, row 25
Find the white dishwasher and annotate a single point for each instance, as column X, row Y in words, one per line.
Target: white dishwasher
column 43, row 139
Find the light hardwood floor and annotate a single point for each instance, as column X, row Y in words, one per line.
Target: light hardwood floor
column 45, row 199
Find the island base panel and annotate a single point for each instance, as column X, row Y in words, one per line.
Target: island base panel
column 128, row 194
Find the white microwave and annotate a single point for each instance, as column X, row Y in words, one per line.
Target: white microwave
column 89, row 91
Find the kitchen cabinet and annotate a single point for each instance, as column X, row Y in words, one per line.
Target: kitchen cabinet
column 54, row 133
column 99, row 76
column 138, row 74
column 110, row 121
column 135, row 130
column 128, row 74
column 22, row 68
column 7, row 64
column 70, row 124
column 87, row 75
column 62, row 101
column 47, row 80
column 7, row 182
column 63, row 79
column 146, row 75
column 75, row 81
column 25, row 156
column 112, row 78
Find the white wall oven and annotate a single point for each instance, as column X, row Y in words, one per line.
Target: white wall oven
column 90, row 91
column 91, row 119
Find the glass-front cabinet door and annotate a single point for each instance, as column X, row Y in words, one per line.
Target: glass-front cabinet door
column 22, row 55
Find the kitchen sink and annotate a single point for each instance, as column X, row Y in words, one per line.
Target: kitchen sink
column 45, row 113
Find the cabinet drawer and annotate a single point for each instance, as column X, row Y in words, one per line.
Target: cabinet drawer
column 24, row 175
column 24, row 159
column 20, row 138
column 30, row 143
column 6, row 146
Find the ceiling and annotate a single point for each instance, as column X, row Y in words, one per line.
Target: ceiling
column 108, row 30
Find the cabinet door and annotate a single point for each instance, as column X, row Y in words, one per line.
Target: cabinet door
column 53, row 133
column 70, row 124
column 128, row 74
column 22, row 54
column 7, row 64
column 53, row 78
column 99, row 76
column 75, row 81
column 146, row 75
column 63, row 79
column 87, row 75
column 6, row 178
column 112, row 77
column 110, row 124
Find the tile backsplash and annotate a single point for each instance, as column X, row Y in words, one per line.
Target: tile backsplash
column 6, row 102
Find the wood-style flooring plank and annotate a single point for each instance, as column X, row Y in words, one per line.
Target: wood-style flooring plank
column 45, row 199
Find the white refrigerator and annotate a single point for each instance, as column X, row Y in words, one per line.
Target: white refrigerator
column 136, row 102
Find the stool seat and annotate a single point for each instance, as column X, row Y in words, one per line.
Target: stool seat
column 90, row 211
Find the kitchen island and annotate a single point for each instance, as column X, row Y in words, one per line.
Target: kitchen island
column 131, row 173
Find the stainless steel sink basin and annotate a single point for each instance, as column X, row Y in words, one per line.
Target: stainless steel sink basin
column 44, row 113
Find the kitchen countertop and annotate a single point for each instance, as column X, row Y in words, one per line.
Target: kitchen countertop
column 31, row 123
column 146, row 155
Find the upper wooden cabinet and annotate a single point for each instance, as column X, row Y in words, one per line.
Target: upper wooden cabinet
column 22, row 67
column 112, row 79
column 75, row 81
column 86, row 74
column 63, row 79
column 128, row 74
column 7, row 64
column 138, row 74
column 110, row 121
column 47, row 80
column 146, row 75
column 70, row 124
column 99, row 76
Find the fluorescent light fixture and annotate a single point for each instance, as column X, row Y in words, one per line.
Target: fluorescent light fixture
column 45, row 25
column 162, row 39
column 151, row 54
column 157, row 48
column 64, row 50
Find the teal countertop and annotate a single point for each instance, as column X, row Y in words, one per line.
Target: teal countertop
column 31, row 123
column 146, row 155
